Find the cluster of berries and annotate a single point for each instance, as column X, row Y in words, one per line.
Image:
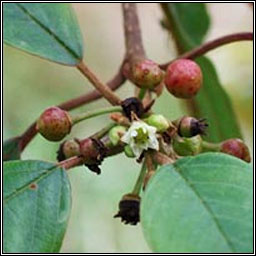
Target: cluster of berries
column 143, row 130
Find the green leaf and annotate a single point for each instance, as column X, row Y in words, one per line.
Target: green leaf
column 37, row 202
column 11, row 150
column 49, row 30
column 200, row 204
column 189, row 24
column 213, row 103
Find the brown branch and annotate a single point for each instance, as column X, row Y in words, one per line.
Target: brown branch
column 71, row 162
column 113, row 84
column 162, row 159
column 133, row 39
column 79, row 160
column 204, row 48
column 101, row 87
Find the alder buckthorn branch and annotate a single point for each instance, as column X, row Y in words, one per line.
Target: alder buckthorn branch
column 86, row 98
column 161, row 158
column 133, row 39
column 211, row 45
column 71, row 162
column 144, row 73
column 106, row 92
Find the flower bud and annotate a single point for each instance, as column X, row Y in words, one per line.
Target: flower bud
column 237, row 148
column 187, row 146
column 54, row 124
column 158, row 121
column 129, row 209
column 116, row 133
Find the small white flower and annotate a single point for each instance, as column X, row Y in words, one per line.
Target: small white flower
column 141, row 136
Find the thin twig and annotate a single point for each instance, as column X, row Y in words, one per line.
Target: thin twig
column 211, row 45
column 113, row 84
column 162, row 159
column 101, row 87
column 71, row 162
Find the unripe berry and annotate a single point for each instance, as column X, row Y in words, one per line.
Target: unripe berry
column 183, row 78
column 146, row 74
column 116, row 133
column 189, row 126
column 54, row 124
column 237, row 148
column 187, row 146
column 92, row 150
column 158, row 121
column 68, row 149
column 129, row 152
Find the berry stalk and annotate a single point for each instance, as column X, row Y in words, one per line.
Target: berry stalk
column 138, row 185
column 87, row 115
column 210, row 147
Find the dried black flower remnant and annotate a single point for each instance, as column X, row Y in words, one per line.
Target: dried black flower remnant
column 129, row 209
column 132, row 105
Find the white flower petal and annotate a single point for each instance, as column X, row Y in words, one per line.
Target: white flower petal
column 154, row 144
column 130, row 135
column 137, row 150
column 126, row 138
column 133, row 133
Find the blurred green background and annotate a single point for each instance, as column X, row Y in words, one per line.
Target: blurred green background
column 32, row 84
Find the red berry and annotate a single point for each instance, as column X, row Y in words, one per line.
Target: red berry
column 54, row 124
column 183, row 78
column 146, row 74
column 237, row 148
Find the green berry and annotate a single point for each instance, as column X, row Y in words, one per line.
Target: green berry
column 54, row 124
column 183, row 78
column 116, row 133
column 146, row 74
column 67, row 149
column 158, row 121
column 237, row 148
column 129, row 152
column 187, row 146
